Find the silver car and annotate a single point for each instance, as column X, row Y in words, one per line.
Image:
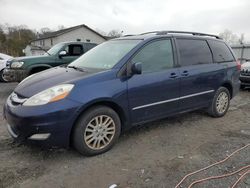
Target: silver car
column 3, row 59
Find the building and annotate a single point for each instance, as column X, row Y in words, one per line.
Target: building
column 77, row 33
column 242, row 51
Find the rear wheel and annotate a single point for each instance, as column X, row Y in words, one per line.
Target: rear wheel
column 2, row 79
column 96, row 131
column 221, row 102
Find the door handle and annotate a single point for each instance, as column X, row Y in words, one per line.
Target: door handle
column 173, row 75
column 185, row 73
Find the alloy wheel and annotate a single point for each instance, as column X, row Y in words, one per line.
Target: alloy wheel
column 99, row 132
column 222, row 102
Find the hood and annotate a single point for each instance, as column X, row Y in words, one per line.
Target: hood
column 49, row 78
column 246, row 66
column 34, row 59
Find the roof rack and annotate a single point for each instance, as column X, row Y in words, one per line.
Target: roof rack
column 181, row 32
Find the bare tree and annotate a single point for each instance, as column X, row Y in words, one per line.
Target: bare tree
column 229, row 36
column 242, row 38
column 115, row 33
column 60, row 27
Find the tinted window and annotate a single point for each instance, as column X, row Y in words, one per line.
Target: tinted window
column 220, row 51
column 156, row 56
column 74, row 50
column 193, row 52
column 88, row 46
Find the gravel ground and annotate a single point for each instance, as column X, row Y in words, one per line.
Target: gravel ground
column 157, row 154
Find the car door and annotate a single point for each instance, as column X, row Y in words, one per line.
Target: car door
column 154, row 93
column 198, row 73
column 73, row 51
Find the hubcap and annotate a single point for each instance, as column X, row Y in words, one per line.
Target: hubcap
column 99, row 132
column 222, row 102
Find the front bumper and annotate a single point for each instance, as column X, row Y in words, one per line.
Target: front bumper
column 14, row 75
column 46, row 125
column 245, row 80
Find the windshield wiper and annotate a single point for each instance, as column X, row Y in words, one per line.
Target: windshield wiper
column 76, row 68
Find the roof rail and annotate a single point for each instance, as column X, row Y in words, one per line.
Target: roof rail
column 181, row 32
column 187, row 32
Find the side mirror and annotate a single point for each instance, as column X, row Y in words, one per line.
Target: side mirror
column 136, row 68
column 62, row 53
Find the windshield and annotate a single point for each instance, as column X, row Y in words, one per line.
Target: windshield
column 105, row 55
column 55, row 49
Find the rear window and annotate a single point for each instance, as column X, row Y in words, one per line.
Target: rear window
column 194, row 52
column 221, row 52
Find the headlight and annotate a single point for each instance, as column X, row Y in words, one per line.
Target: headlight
column 17, row 64
column 52, row 94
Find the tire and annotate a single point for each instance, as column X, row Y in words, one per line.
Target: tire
column 242, row 87
column 88, row 137
column 220, row 103
column 1, row 77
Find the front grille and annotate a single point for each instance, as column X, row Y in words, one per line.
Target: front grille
column 245, row 72
column 17, row 99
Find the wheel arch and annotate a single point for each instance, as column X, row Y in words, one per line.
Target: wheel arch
column 229, row 86
column 39, row 66
column 111, row 104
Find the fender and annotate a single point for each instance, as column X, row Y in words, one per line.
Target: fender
column 38, row 65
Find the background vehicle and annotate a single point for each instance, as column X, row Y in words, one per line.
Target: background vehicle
column 245, row 75
column 3, row 60
column 63, row 53
column 122, row 83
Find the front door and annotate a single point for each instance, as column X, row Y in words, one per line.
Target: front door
column 73, row 51
column 154, row 93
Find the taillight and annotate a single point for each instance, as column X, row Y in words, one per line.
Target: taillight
column 238, row 65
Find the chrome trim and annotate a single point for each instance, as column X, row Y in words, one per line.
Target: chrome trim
column 174, row 99
column 14, row 135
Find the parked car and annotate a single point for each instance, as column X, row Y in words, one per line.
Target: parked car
column 122, row 83
column 3, row 60
column 60, row 54
column 245, row 75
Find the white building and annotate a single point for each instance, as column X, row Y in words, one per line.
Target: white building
column 77, row 33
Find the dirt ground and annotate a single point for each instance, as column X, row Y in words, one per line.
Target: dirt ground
column 157, row 154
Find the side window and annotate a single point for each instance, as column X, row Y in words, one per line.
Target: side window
column 221, row 52
column 194, row 52
column 74, row 50
column 155, row 56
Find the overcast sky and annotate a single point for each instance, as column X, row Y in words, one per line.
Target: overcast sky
column 131, row 16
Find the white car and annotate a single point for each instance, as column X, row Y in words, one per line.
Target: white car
column 3, row 59
column 245, row 75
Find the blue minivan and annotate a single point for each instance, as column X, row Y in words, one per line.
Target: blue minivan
column 122, row 83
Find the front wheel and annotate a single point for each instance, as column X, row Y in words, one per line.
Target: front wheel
column 2, row 79
column 221, row 102
column 96, row 131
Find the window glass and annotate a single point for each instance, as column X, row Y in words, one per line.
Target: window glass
column 221, row 52
column 193, row 52
column 105, row 55
column 155, row 56
column 74, row 50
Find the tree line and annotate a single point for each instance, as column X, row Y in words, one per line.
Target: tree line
column 13, row 39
